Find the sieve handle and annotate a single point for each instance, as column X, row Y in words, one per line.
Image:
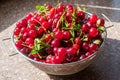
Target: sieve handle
column 8, row 49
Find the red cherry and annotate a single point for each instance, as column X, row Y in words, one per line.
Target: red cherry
column 24, row 50
column 71, row 50
column 48, row 38
column 24, row 36
column 23, row 22
column 29, row 41
column 16, row 31
column 60, row 8
column 85, row 28
column 32, row 27
column 50, row 21
column 100, row 22
column 82, row 57
column 69, row 8
column 55, row 49
column 81, row 15
column 77, row 41
column 48, row 7
column 29, row 16
column 93, row 47
column 93, row 18
column 88, row 53
column 56, row 30
column 56, row 60
column 18, row 44
column 18, row 25
column 46, row 25
column 68, row 17
column 40, row 31
column 49, row 50
column 23, row 30
column 93, row 32
column 41, row 20
column 85, row 46
column 32, row 21
column 55, row 43
column 61, row 52
column 76, row 46
column 58, row 35
column 55, row 22
column 66, row 35
column 32, row 33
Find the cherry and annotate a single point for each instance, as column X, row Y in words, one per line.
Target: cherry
column 48, row 38
column 48, row 59
column 61, row 52
column 37, row 59
column 93, row 18
column 90, row 24
column 46, row 25
column 69, row 8
column 23, row 30
column 32, row 21
column 32, row 27
column 56, row 60
column 81, row 15
column 69, row 57
column 55, row 22
column 88, row 53
column 40, row 30
column 55, row 49
column 82, row 57
column 41, row 20
column 60, row 8
column 18, row 25
column 76, row 46
column 29, row 16
column 56, row 30
column 100, row 22
column 66, row 35
column 85, row 46
column 23, row 22
column 93, row 47
column 71, row 50
column 32, row 33
column 55, row 43
column 93, row 32
column 24, row 36
column 85, row 28
column 29, row 41
column 58, row 35
column 24, row 50
column 57, row 16
column 49, row 50
column 68, row 17
column 50, row 21
column 77, row 40
column 31, row 56
column 16, row 31
column 48, row 7
column 18, row 44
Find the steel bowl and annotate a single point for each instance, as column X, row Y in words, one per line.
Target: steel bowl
column 66, row 68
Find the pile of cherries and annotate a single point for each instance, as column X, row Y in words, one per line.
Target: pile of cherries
column 60, row 34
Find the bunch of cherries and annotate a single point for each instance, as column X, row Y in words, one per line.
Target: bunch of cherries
column 60, row 34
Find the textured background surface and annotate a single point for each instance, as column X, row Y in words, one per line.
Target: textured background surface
column 106, row 66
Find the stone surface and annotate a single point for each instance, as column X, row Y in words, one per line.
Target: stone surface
column 105, row 67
